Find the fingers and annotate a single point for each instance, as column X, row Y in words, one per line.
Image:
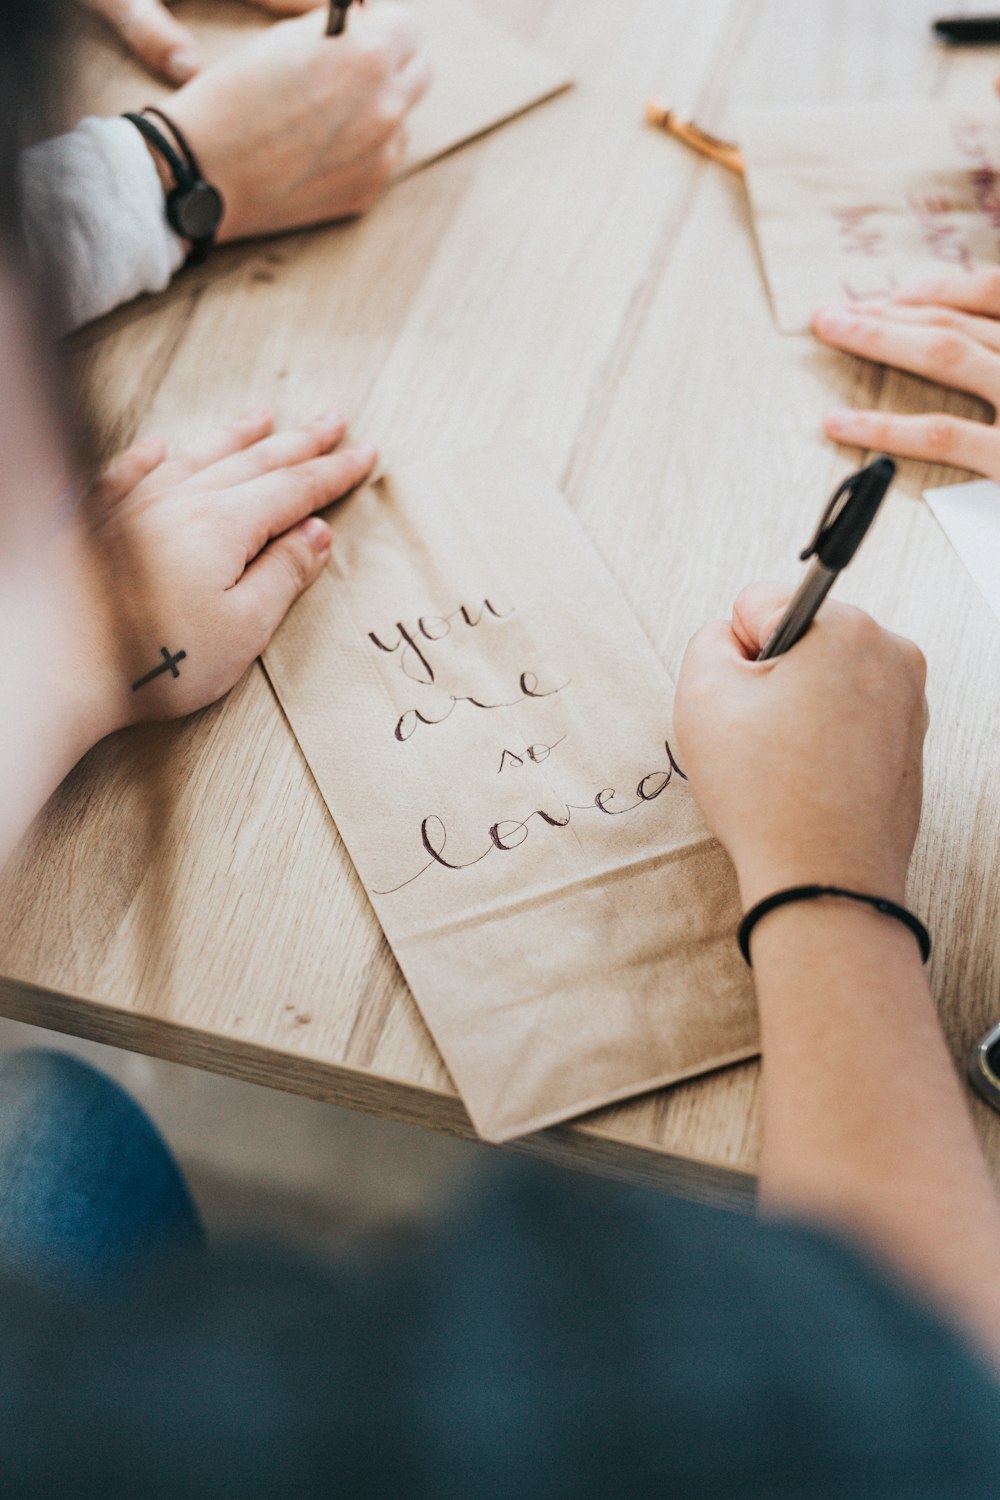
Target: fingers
column 944, row 343
column 249, row 428
column 942, row 355
column 412, row 82
column 936, row 439
column 709, row 653
column 127, row 470
column 150, row 32
column 396, row 149
column 276, row 578
column 756, row 613
column 985, row 331
column 274, row 502
column 387, row 30
column 912, row 658
column 975, row 291
column 278, row 451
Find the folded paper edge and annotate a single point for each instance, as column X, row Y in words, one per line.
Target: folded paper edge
column 501, row 1135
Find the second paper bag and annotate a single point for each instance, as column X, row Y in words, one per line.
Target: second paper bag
column 491, row 731
column 853, row 202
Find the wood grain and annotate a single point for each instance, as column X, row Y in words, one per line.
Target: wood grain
column 582, row 282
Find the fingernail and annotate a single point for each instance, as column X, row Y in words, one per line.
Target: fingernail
column 330, row 419
column 257, row 415
column 318, row 533
column 181, row 64
column 842, row 422
column 833, row 320
column 365, row 453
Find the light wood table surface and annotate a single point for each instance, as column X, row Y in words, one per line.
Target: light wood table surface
column 578, row 280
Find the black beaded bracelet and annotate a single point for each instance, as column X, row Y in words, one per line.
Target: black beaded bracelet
column 809, row 893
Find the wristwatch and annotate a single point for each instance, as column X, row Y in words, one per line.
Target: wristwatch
column 194, row 206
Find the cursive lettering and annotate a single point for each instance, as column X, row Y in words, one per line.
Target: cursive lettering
column 940, row 229
column 537, row 753
column 409, row 722
column 857, row 236
column 508, row 834
column 413, row 659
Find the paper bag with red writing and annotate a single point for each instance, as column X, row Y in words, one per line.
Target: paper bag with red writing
column 853, row 201
column 491, row 732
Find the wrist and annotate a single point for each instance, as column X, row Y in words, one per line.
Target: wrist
column 194, row 207
column 166, row 180
column 763, row 876
column 162, row 170
column 203, row 136
column 827, row 929
column 89, row 673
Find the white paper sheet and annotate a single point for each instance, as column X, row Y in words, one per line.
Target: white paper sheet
column 969, row 515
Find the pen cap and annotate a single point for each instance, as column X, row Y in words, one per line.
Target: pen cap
column 842, row 530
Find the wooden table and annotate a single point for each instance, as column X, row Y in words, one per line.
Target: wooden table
column 578, row 280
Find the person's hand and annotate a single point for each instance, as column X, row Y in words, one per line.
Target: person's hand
column 298, row 128
column 806, row 767
column 946, row 330
column 159, row 40
column 195, row 560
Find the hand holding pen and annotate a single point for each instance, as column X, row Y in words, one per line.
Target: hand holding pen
column 337, row 19
column 294, row 130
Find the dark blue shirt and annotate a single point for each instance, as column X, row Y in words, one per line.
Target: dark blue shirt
column 551, row 1338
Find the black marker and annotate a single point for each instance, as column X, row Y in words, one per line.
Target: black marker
column 969, row 31
column 842, row 527
column 337, row 19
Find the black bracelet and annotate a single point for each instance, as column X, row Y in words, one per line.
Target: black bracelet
column 809, row 893
column 194, row 206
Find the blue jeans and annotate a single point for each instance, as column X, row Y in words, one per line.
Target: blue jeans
column 89, row 1191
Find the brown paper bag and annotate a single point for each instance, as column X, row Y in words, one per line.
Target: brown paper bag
column 482, row 78
column 854, row 201
column 482, row 75
column 491, row 731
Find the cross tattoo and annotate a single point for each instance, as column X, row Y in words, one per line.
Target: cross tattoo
column 168, row 664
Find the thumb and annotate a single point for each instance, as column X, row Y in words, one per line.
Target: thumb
column 280, row 573
column 126, row 470
column 756, row 612
column 149, row 31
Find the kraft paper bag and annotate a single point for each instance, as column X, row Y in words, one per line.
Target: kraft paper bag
column 852, row 202
column 482, row 76
column 491, row 732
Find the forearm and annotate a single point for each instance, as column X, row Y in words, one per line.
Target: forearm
column 55, row 716
column 865, row 1124
column 93, row 204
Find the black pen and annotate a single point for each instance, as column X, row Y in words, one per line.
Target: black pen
column 842, row 527
column 337, row 19
column 969, row 31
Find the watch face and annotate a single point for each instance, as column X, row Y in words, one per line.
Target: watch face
column 197, row 211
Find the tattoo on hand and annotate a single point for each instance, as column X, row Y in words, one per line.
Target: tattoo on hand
column 168, row 664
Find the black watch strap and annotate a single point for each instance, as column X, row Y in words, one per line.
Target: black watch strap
column 194, row 206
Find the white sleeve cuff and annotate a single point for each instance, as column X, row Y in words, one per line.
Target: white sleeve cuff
column 93, row 206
